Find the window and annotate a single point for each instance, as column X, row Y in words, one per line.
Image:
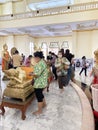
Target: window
column 54, row 47
column 65, row 45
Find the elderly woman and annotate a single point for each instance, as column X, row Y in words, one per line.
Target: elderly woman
column 40, row 81
column 62, row 65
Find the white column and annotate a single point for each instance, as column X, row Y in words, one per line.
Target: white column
column 22, row 43
column 7, row 8
column 9, row 40
column 74, row 42
column 94, row 41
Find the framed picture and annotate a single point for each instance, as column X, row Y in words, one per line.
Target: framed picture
column 65, row 44
column 54, row 45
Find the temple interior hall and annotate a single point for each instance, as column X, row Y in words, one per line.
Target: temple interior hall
column 33, row 29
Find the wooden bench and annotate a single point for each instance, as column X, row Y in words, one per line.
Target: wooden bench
column 16, row 103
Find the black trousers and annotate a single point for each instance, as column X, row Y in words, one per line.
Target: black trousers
column 85, row 70
column 39, row 94
column 54, row 71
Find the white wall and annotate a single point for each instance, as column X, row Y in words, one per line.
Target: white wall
column 94, row 40
column 80, row 43
column 22, row 43
column 19, row 7
column 84, row 44
column 0, row 10
column 60, row 40
column 7, row 8
column 2, row 42
column 9, row 40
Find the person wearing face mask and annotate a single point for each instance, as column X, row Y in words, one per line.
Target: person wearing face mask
column 62, row 65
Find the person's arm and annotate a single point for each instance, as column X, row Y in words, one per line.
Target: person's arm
column 32, row 74
column 66, row 63
column 38, row 69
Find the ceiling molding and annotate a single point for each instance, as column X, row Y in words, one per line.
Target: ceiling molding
column 54, row 30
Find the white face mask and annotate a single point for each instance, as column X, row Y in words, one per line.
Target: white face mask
column 60, row 56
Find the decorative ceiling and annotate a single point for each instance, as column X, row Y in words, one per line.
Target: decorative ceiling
column 51, row 30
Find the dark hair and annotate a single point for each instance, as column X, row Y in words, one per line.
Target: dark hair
column 39, row 54
column 30, row 56
column 16, row 52
column 67, row 51
column 83, row 57
column 50, row 52
column 60, row 51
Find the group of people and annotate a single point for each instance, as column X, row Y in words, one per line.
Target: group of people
column 8, row 61
column 63, row 71
column 61, row 65
column 15, row 59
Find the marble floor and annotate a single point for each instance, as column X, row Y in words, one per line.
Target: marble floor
column 84, row 79
column 63, row 112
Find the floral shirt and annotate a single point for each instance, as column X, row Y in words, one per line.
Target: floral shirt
column 41, row 71
column 62, row 64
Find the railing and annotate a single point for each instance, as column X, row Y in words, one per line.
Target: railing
column 52, row 11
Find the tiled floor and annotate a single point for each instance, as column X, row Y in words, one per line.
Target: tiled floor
column 84, row 82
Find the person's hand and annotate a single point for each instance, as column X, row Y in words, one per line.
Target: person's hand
column 31, row 74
